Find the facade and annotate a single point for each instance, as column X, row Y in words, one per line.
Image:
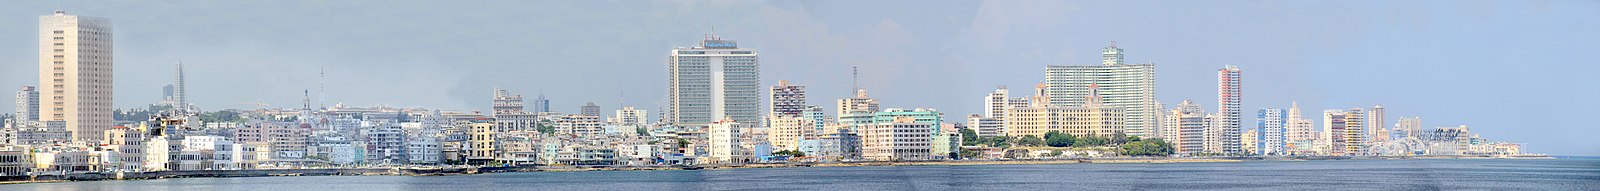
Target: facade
column 579, row 125
column 713, row 81
column 590, row 109
column 786, row 131
column 1092, row 118
column 1271, row 126
column 630, row 116
column 1300, row 136
column 995, row 105
column 986, row 126
column 480, row 143
column 27, row 105
column 723, row 139
column 787, row 100
column 1185, row 128
column 1408, row 127
column 904, row 138
column 509, row 114
column 1342, row 131
column 1128, row 86
column 857, row 110
column 1376, row 130
column 75, row 74
column 1228, row 98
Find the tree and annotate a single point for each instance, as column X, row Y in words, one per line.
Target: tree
column 544, row 127
column 1030, row 140
column 641, row 131
column 1149, row 147
column 1058, row 139
column 969, row 137
column 789, row 153
column 1119, row 138
column 1089, row 140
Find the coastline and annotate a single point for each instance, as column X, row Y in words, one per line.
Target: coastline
column 469, row 170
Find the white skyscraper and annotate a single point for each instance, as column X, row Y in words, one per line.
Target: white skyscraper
column 1376, row 130
column 1228, row 98
column 75, row 73
column 27, row 104
column 1128, row 86
column 1270, row 131
column 715, row 80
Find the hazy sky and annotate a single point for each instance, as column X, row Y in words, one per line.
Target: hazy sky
column 1520, row 71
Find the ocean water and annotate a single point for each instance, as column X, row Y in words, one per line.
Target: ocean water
column 1411, row 174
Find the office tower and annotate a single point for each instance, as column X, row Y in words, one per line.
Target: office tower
column 1376, row 130
column 27, row 104
column 1300, row 135
column 1091, row 118
column 723, row 141
column 75, row 74
column 1408, row 127
column 714, row 81
column 1185, row 128
column 787, row 100
column 1128, row 86
column 1271, row 126
column 1228, row 97
column 540, row 104
column 629, row 116
column 589, row 109
column 902, row 138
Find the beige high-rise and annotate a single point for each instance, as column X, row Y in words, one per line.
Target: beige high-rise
column 75, row 74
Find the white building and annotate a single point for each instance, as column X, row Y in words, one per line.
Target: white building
column 713, row 81
column 1228, row 98
column 903, row 139
column 1342, row 131
column 1185, row 128
column 1376, row 129
column 628, row 116
column 1128, row 86
column 75, row 75
column 723, row 139
column 579, row 125
column 27, row 105
column 787, row 131
column 1270, row 129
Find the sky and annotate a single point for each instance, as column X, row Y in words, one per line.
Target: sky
column 1517, row 71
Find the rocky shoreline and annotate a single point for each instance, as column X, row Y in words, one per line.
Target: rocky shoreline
column 466, row 170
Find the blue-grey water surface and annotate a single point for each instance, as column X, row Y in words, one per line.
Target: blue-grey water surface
column 1420, row 174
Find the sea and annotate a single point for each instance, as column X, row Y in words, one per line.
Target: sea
column 1397, row 174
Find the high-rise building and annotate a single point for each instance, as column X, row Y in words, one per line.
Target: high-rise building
column 27, row 104
column 1300, row 137
column 75, row 73
column 589, row 109
column 1185, row 128
column 714, row 81
column 1228, row 97
column 1408, row 127
column 1342, row 131
column 629, row 116
column 992, row 122
column 1128, row 86
column 1213, row 134
column 509, row 114
column 787, row 100
column 540, row 104
column 1376, row 130
column 858, row 110
column 1271, row 128
column 787, row 131
column 175, row 94
column 480, row 142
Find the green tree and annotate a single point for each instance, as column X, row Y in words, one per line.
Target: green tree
column 641, row 131
column 969, row 137
column 544, row 127
column 1030, row 140
column 1058, row 139
column 1149, row 147
column 1119, row 138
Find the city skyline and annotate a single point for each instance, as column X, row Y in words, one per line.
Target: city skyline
column 893, row 79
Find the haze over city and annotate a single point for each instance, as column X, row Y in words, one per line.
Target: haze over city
column 1519, row 71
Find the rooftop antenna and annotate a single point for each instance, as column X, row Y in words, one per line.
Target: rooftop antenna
column 855, row 79
column 322, row 87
